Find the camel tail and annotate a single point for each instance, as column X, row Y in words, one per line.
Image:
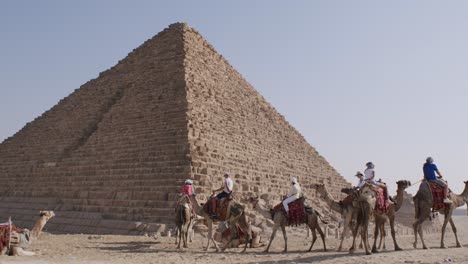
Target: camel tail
column 320, row 217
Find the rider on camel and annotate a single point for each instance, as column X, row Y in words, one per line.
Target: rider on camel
column 293, row 194
column 228, row 184
column 361, row 179
column 187, row 191
column 430, row 170
column 369, row 177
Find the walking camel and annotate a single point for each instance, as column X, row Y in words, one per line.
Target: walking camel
column 280, row 220
column 365, row 202
column 423, row 203
column 348, row 212
column 381, row 217
column 184, row 220
column 235, row 216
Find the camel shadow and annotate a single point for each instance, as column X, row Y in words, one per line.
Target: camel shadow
column 128, row 247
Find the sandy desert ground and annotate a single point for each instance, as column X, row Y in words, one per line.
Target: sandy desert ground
column 132, row 249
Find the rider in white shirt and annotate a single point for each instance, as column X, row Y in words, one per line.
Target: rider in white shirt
column 293, row 194
column 227, row 187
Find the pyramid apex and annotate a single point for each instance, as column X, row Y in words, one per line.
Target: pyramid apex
column 179, row 25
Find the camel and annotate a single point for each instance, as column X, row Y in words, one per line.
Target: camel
column 22, row 238
column 235, row 216
column 184, row 220
column 423, row 205
column 348, row 212
column 190, row 231
column 380, row 217
column 365, row 202
column 226, row 236
column 280, row 220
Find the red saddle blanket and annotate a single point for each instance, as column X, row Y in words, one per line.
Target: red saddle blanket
column 5, row 234
column 382, row 203
column 437, row 196
column 297, row 213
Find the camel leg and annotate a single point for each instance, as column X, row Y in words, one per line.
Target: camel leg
column 355, row 231
column 190, row 230
column 421, row 235
column 247, row 234
column 454, row 229
column 347, row 225
column 383, row 234
column 314, row 238
column 322, row 235
column 392, row 230
column 273, row 234
column 417, row 228
column 376, row 235
column 365, row 239
column 283, row 228
column 343, row 234
column 179, row 235
column 210, row 236
column 185, row 236
column 415, row 231
column 444, row 225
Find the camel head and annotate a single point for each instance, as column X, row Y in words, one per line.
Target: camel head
column 403, row 184
column 319, row 187
column 47, row 214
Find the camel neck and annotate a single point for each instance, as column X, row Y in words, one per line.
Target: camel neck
column 399, row 199
column 334, row 205
column 461, row 199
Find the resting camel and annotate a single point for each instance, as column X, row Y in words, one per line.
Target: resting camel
column 184, row 220
column 381, row 217
column 22, row 238
column 422, row 205
column 235, row 216
column 348, row 212
column 280, row 220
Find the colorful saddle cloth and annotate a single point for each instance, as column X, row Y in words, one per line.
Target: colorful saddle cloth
column 382, row 203
column 8, row 235
column 437, row 196
column 297, row 211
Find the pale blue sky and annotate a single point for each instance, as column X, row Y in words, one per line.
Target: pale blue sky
column 381, row 81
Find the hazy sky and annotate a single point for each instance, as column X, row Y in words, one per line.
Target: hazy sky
column 381, row 81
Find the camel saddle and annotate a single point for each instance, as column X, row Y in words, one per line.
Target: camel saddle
column 222, row 206
column 437, row 196
column 186, row 202
column 382, row 203
column 297, row 211
column 11, row 235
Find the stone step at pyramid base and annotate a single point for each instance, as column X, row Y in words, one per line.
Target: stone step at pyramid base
column 88, row 219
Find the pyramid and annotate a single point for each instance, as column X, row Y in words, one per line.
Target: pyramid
column 114, row 153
